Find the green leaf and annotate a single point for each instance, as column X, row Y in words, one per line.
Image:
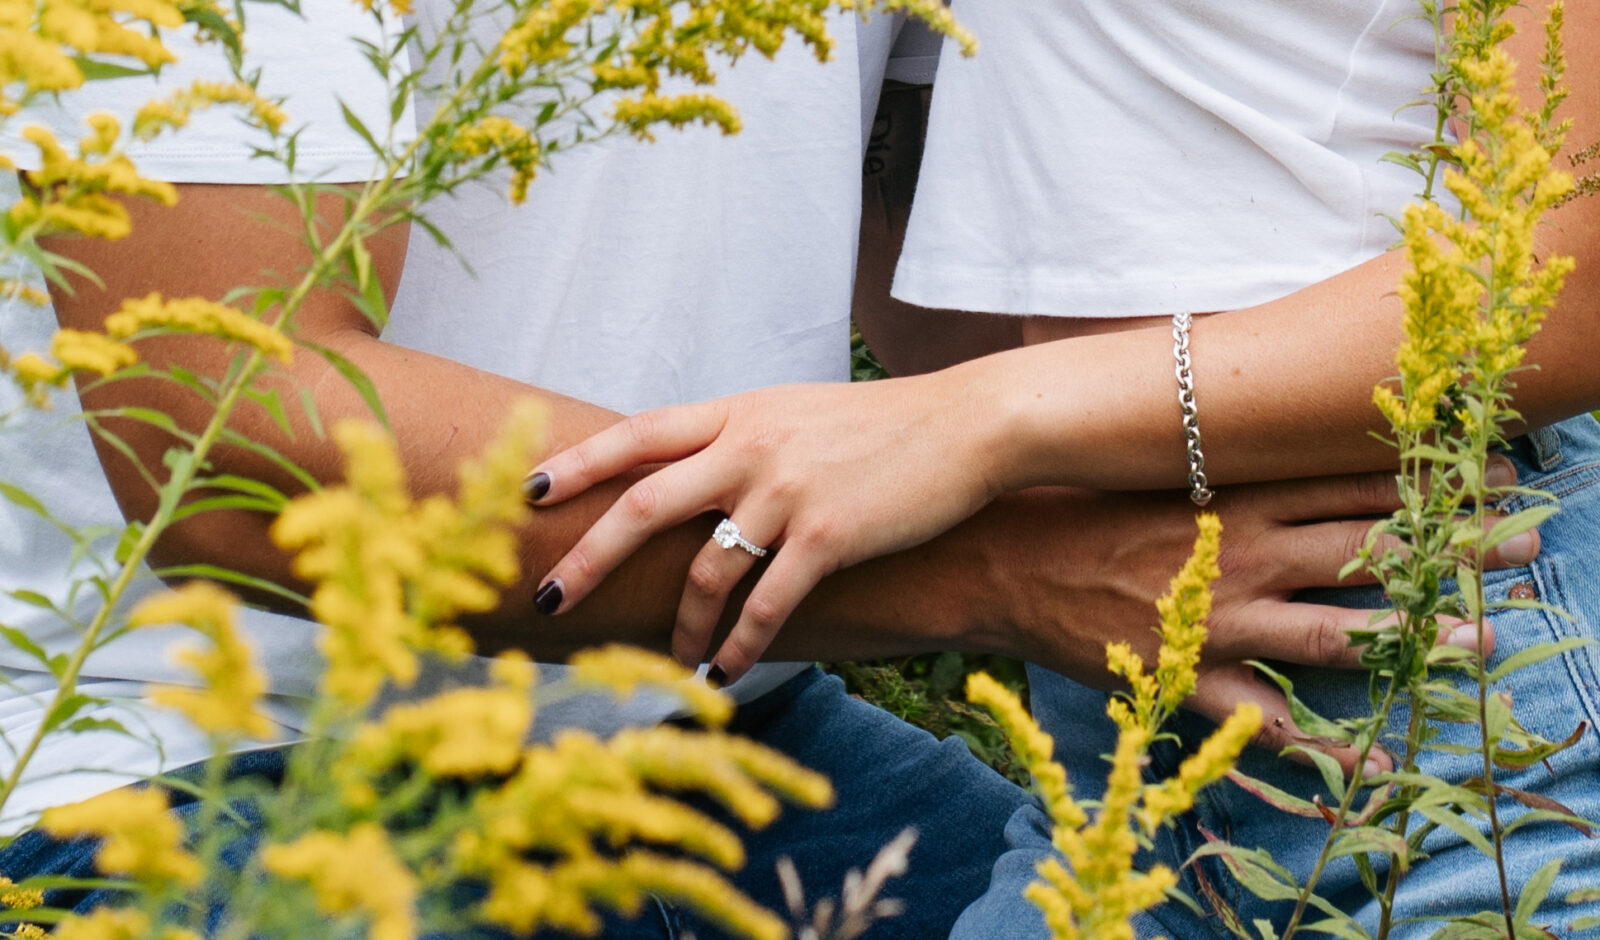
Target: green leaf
column 354, row 123
column 1537, row 653
column 270, row 402
column 308, row 404
column 1518, row 523
column 1365, row 839
column 96, row 724
column 22, row 498
column 361, row 261
column 1449, row 819
column 1433, row 454
column 1272, row 796
column 352, row 374
column 241, row 484
column 65, row 709
column 215, row 573
column 23, row 643
column 237, row 501
column 1346, row 929
column 1255, row 869
column 94, row 70
column 1305, row 719
column 128, row 541
column 34, row 599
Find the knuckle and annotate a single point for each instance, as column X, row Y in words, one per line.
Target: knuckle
column 1353, row 540
column 1325, row 643
column 819, row 536
column 741, row 651
column 1375, row 492
column 580, row 566
column 704, row 579
column 643, row 428
column 582, row 461
column 641, row 501
column 763, row 612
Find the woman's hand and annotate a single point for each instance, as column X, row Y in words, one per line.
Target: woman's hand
column 820, row 476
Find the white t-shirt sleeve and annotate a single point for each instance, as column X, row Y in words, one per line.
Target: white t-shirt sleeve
column 915, row 56
column 312, row 62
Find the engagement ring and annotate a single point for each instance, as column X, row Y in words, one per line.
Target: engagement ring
column 727, row 535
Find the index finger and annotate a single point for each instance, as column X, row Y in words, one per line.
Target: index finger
column 657, row 436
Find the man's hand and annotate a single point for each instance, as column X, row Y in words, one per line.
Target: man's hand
column 1080, row 569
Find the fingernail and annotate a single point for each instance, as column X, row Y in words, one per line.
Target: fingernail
column 716, row 676
column 1371, row 768
column 1500, row 473
column 1520, row 549
column 548, row 597
column 1464, row 636
column 535, row 486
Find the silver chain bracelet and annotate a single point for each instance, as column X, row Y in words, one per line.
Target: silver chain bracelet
column 1199, row 492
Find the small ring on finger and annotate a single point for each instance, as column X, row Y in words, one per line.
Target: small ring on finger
column 727, row 535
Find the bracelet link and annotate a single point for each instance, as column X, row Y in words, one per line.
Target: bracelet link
column 1199, row 492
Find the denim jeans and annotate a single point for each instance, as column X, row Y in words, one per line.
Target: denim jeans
column 1553, row 698
column 887, row 774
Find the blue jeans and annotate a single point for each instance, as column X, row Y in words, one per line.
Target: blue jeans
column 1552, row 698
column 888, row 775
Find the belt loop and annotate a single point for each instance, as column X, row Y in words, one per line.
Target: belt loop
column 1546, row 443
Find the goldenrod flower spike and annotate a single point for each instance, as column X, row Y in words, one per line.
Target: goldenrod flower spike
column 353, row 872
column 227, row 703
column 142, row 838
column 626, row 669
column 391, row 574
column 19, row 899
column 1097, row 891
column 199, row 316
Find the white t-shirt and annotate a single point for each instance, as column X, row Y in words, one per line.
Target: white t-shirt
column 637, row 275
column 1109, row 158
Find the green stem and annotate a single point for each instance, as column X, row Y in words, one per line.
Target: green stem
column 178, row 484
column 1340, row 815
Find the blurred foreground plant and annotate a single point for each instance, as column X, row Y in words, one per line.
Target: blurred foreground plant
column 392, row 819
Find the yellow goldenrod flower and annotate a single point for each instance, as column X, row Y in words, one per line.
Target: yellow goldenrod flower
column 625, row 669
column 391, row 574
column 1474, row 292
column 14, row 289
column 705, row 892
column 1095, row 893
column 19, row 899
column 91, row 352
column 104, row 923
column 227, row 703
column 496, row 138
column 174, row 111
column 354, row 872
column 200, row 316
column 640, row 113
column 28, row 932
column 142, row 838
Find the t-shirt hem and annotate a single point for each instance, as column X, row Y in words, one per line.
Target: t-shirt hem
column 1038, row 294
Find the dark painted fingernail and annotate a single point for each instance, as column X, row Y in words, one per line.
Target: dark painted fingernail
column 548, row 598
column 716, row 676
column 534, row 487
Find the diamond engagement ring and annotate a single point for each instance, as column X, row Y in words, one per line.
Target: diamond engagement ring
column 727, row 535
